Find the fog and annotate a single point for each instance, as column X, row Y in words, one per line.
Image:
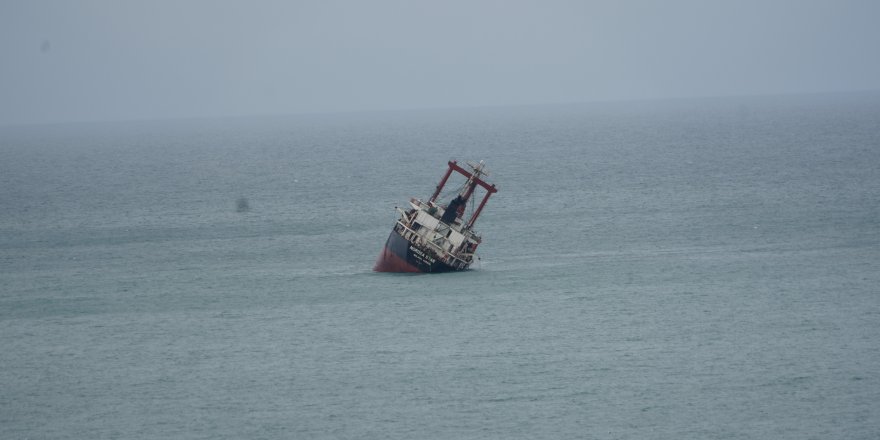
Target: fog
column 106, row 60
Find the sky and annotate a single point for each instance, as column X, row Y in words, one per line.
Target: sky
column 95, row 60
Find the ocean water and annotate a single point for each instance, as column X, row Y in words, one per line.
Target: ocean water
column 694, row 269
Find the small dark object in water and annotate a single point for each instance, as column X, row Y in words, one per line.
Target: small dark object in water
column 241, row 205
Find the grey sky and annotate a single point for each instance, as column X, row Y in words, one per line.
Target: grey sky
column 98, row 60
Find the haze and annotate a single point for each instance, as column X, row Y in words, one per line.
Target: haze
column 108, row 60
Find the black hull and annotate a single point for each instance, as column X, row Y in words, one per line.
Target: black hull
column 399, row 255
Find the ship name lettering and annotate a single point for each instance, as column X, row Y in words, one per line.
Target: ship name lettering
column 421, row 255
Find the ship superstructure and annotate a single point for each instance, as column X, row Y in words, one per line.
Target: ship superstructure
column 433, row 237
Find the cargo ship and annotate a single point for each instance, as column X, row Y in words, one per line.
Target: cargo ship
column 431, row 237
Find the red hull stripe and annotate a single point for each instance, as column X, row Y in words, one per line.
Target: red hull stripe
column 389, row 262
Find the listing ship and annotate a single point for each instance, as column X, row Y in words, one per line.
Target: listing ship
column 431, row 237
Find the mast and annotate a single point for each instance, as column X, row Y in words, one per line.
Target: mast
column 473, row 219
column 442, row 183
column 473, row 180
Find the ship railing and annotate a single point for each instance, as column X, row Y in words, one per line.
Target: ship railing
column 443, row 254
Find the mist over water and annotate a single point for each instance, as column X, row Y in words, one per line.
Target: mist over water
column 650, row 269
column 98, row 60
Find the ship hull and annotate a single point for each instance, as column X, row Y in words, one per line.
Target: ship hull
column 399, row 255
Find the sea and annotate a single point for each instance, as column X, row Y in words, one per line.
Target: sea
column 670, row 269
